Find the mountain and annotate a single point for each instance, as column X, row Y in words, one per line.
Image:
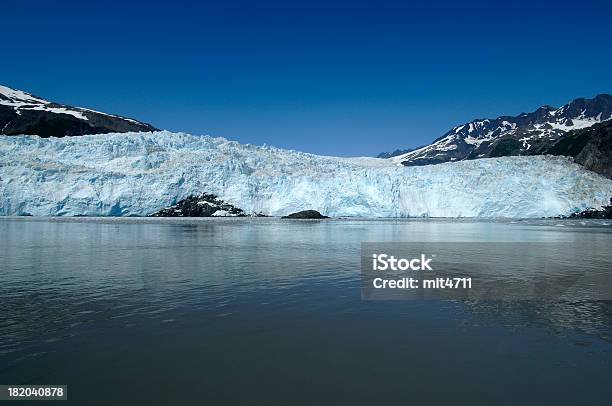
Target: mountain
column 138, row 174
column 394, row 153
column 23, row 113
column 525, row 134
column 591, row 147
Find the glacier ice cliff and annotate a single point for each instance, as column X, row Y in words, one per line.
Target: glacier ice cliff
column 136, row 174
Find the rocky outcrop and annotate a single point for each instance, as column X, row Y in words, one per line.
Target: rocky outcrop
column 306, row 214
column 205, row 205
column 605, row 212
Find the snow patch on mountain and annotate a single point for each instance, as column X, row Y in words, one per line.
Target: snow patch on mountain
column 141, row 173
column 20, row 100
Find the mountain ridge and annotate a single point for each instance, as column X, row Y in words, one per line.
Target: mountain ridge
column 485, row 138
column 25, row 113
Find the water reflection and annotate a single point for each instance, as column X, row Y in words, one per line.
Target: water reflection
column 116, row 293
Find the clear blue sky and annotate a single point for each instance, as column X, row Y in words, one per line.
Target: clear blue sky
column 338, row 78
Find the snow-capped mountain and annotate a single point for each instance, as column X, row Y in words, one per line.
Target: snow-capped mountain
column 394, row 153
column 141, row 173
column 23, row 113
column 506, row 135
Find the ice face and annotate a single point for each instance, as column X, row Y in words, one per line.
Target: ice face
column 140, row 173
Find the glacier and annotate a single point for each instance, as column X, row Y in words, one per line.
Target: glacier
column 136, row 174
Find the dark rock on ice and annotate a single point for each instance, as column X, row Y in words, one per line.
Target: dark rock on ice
column 205, row 205
column 605, row 212
column 306, row 214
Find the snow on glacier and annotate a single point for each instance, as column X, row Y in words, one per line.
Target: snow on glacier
column 140, row 173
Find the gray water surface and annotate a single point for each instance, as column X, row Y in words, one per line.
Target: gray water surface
column 269, row 311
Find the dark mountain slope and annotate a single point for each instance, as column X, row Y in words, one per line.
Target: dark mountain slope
column 590, row 147
column 23, row 113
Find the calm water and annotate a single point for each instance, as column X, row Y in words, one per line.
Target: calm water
column 268, row 311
